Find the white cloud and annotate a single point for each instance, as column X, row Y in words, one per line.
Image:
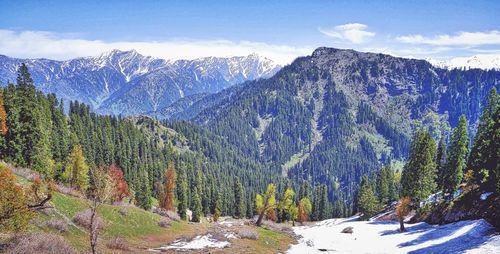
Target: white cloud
column 458, row 39
column 40, row 44
column 352, row 32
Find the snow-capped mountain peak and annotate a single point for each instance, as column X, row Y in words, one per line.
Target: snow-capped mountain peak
column 126, row 82
column 481, row 61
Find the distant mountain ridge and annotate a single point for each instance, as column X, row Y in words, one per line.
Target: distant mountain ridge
column 481, row 61
column 128, row 83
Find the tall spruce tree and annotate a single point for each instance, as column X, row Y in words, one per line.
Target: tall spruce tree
column 441, row 158
column 418, row 179
column 239, row 199
column 484, row 153
column 197, row 210
column 382, row 185
column 182, row 193
column 367, row 201
column 457, row 156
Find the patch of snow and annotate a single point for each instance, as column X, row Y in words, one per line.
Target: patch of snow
column 197, row 243
column 485, row 195
column 474, row 236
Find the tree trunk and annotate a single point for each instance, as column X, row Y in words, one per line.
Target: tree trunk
column 93, row 228
column 401, row 225
column 259, row 220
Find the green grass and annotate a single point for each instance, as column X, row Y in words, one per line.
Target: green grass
column 269, row 238
column 138, row 227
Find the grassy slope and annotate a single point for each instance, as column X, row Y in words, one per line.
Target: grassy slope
column 140, row 228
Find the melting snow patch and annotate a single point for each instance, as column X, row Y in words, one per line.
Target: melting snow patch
column 475, row 236
column 199, row 242
column 485, row 195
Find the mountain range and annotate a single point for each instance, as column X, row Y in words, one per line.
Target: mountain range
column 328, row 118
column 127, row 83
column 481, row 61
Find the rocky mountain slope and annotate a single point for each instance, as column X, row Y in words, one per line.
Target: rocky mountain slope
column 125, row 82
column 338, row 114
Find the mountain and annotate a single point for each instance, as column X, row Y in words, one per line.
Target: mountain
column 125, row 82
column 338, row 114
column 482, row 61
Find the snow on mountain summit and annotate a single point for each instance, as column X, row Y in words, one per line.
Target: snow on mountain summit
column 126, row 82
column 482, row 61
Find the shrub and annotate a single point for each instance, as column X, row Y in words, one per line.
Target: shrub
column 123, row 211
column 247, row 233
column 83, row 219
column 117, row 243
column 60, row 225
column 164, row 222
column 40, row 243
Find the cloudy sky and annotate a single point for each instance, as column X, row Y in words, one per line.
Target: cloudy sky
column 280, row 30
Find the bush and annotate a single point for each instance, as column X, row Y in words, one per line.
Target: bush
column 247, row 233
column 164, row 222
column 117, row 243
column 83, row 219
column 60, row 225
column 123, row 211
column 40, row 243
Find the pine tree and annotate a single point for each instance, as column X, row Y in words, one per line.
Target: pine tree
column 197, row 210
column 239, row 199
column 484, row 153
column 324, row 212
column 143, row 194
column 217, row 206
column 316, row 203
column 493, row 181
column 182, row 193
column 457, row 155
column 31, row 134
column 418, row 179
column 367, row 201
column 441, row 159
column 382, row 185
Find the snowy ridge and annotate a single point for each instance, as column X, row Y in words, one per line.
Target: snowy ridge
column 482, row 61
column 473, row 236
column 128, row 83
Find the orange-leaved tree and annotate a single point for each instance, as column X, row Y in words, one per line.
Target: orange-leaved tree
column 168, row 196
column 3, row 117
column 119, row 184
column 402, row 210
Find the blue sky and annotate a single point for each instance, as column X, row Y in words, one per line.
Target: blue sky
column 280, row 30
